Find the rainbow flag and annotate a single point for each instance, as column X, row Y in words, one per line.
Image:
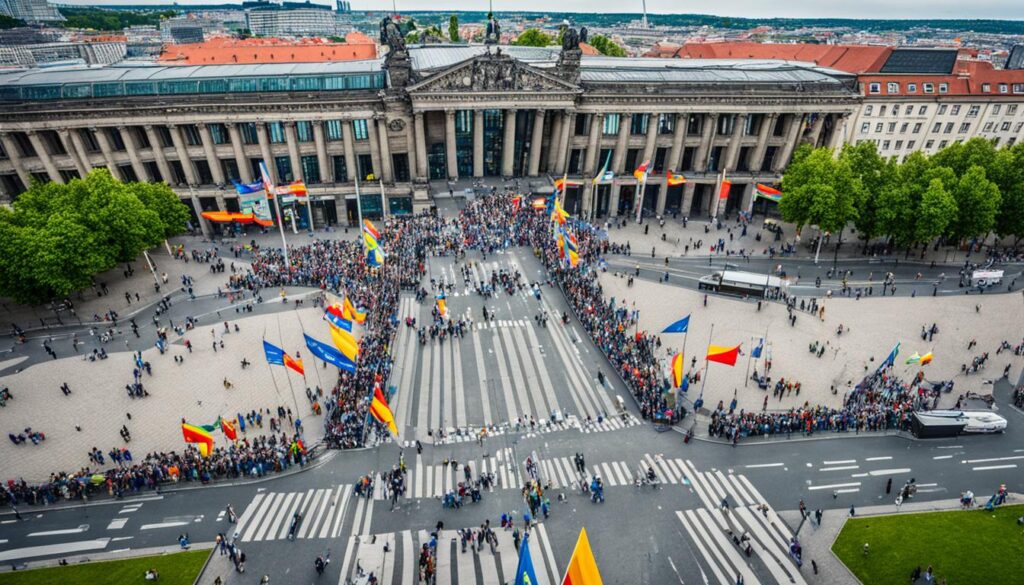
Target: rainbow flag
column 199, row 436
column 381, row 411
column 582, row 568
column 766, row 192
column 677, row 370
column 442, row 306
column 558, row 214
column 723, row 355
column 674, row 179
column 571, row 246
column 371, row 229
column 295, row 189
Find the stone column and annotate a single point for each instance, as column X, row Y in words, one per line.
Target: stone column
column 244, row 169
column 767, row 123
column 747, row 203
column 322, row 160
column 15, row 155
column 508, row 143
column 553, row 140
column 688, row 191
column 796, row 125
column 386, row 172
column 158, row 153
column 76, row 156
column 263, row 138
column 621, row 146
column 450, row 153
column 414, row 155
column 562, row 162
column 838, row 130
column 707, row 135
column 732, row 152
column 420, row 131
column 44, row 156
column 590, row 162
column 676, row 154
column 133, row 153
column 107, row 150
column 374, row 148
column 186, row 161
column 478, row 143
column 652, row 138
column 216, row 170
column 351, row 164
column 293, row 152
column 613, row 200
column 816, row 126
column 535, row 143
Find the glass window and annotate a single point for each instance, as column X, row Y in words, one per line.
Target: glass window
column 943, row 88
column 42, row 92
column 77, row 90
column 911, row 88
column 910, row 145
column 360, row 82
column 868, row 110
column 929, row 88
column 284, row 168
column 334, row 82
column 107, row 89
column 1018, row 88
column 917, row 128
column 973, row 111
column 882, row 110
column 949, row 128
column 1005, row 127
column 340, row 169
column 996, row 108
column 899, row 145
column 892, row 127
column 213, row 85
column 243, row 85
column 886, row 144
column 219, row 133
column 955, row 111
column 311, row 169
column 965, row 127
column 611, row 124
column 875, row 88
column 865, row 127
column 929, row 144
column 667, row 123
column 1011, row 109
column 304, row 130
column 987, row 127
column 638, row 124
column 306, row 83
column 922, row 110
column 878, row 127
column 276, row 132
column 892, row 87
column 274, row 84
column 249, row 134
column 937, row 127
column 192, row 136
column 334, row 131
column 942, row 109
column 903, row 127
column 1003, row 88
column 986, row 87
column 360, row 129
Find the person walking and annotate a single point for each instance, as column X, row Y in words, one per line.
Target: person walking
column 888, row 486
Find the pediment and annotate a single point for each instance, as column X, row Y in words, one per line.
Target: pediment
column 492, row 73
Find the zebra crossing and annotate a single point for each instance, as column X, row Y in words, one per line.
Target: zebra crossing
column 434, row 480
column 503, row 371
column 571, row 423
column 269, row 515
column 393, row 559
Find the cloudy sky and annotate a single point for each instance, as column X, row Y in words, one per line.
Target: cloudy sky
column 1000, row 9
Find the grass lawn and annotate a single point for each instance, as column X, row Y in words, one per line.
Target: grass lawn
column 963, row 547
column 175, row 569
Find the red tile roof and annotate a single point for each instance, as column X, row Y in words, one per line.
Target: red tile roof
column 220, row 51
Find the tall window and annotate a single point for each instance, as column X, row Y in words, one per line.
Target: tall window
column 284, row 168
column 248, row 131
column 192, row 137
column 311, row 169
column 638, row 124
column 340, row 169
column 276, row 132
column 333, row 130
column 611, row 124
column 666, row 123
column 360, row 130
column 219, row 133
column 304, row 130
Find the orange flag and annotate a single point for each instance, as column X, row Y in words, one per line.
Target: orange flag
column 582, row 568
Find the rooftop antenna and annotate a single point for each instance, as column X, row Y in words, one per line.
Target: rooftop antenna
column 643, row 21
column 394, row 8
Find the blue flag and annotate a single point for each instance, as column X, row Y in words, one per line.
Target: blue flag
column 525, row 575
column 330, row 355
column 685, row 386
column 756, row 354
column 891, row 359
column 244, row 188
column 680, row 326
column 339, row 322
column 275, row 355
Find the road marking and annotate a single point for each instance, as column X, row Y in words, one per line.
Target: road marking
column 840, row 468
column 952, row 447
column 81, row 528
column 886, row 458
column 848, row 491
column 994, row 459
column 834, row 486
column 120, row 538
column 759, row 465
column 843, row 462
column 117, row 523
column 162, row 525
column 985, row 468
column 889, row 471
column 924, row 485
column 942, row 457
column 53, row 549
column 3, row 541
column 859, row 475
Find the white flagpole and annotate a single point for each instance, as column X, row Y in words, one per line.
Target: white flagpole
column 280, row 218
column 383, row 201
column 640, row 197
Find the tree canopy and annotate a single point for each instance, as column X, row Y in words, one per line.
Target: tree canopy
column 606, row 46
column 57, row 237
column 453, row 29
column 101, row 19
column 533, row 37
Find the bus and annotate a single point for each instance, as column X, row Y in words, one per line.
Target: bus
column 735, row 282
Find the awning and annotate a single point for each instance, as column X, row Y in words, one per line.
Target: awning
column 229, row 216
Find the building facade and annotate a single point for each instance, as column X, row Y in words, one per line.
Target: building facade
column 290, row 19
column 423, row 116
column 31, row 10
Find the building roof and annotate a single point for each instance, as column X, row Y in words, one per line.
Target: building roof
column 920, row 61
column 429, row 58
column 219, row 51
column 1015, row 60
column 849, row 58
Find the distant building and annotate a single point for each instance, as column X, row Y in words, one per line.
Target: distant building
column 1016, row 58
column 222, row 51
column 181, row 33
column 290, row 19
column 30, row 10
column 40, row 54
column 344, row 7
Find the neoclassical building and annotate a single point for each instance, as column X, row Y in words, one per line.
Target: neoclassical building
column 425, row 116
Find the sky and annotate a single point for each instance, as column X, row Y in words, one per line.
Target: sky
column 997, row 9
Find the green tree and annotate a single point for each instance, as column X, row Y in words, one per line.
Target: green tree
column 8, row 22
column 453, row 28
column 819, row 190
column 962, row 156
column 876, row 176
column 1008, row 174
column 606, row 46
column 533, row 37
column 936, row 209
column 57, row 237
column 977, row 201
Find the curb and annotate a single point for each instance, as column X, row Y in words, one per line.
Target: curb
column 109, row 556
column 202, row 570
column 827, row 436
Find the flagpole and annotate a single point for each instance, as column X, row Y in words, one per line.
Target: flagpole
column 640, row 198
column 359, row 206
column 750, row 356
column 270, row 369
column 309, row 209
column 315, row 369
column 290, row 386
column 280, row 222
column 383, row 201
column 707, row 369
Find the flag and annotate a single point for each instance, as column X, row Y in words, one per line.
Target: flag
column 525, row 574
column 677, row 370
column 559, row 214
column 375, row 257
column 296, row 188
column 926, row 359
column 570, row 248
column 913, row 359
column 604, row 175
column 345, row 342
column 766, row 192
column 371, row 229
column 381, row 411
column 268, row 184
column 335, row 318
column 582, row 568
column 198, row 435
column 561, row 184
column 756, row 354
column 245, row 188
column 680, row 326
column 723, row 355
column 517, row 201
column 441, row 305
column 330, row 355
column 674, row 179
column 891, row 358
column 277, row 357
column 723, row 193
column 371, row 243
column 350, row 312
column 641, row 171
column 228, row 428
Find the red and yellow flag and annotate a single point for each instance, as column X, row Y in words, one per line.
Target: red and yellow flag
column 381, row 411
column 674, row 179
column 677, row 370
column 723, row 355
column 582, row 566
column 345, row 342
column 228, row 428
column 294, row 364
column 200, row 436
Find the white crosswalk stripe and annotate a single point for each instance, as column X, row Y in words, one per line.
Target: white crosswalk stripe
column 269, row 515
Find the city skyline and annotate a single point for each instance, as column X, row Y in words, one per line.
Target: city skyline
column 870, row 9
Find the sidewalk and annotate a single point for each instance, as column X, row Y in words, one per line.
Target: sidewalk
column 817, row 540
column 699, row 423
column 116, row 555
